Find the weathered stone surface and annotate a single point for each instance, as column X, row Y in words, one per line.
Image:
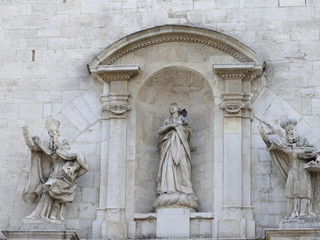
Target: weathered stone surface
column 299, row 234
column 173, row 223
column 65, row 35
column 55, row 169
column 50, row 235
column 295, row 160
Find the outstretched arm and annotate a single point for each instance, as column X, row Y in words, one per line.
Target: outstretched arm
column 264, row 135
column 30, row 143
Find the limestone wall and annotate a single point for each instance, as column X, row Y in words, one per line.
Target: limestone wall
column 46, row 45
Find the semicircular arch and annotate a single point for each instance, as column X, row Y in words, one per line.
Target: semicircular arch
column 176, row 33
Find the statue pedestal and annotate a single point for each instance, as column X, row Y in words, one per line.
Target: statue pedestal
column 173, row 223
column 41, row 229
column 296, row 234
column 42, row 224
column 29, row 235
column 300, row 228
column 301, row 223
column 145, row 225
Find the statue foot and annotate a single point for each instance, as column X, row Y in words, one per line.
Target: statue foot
column 53, row 217
column 312, row 214
column 294, row 215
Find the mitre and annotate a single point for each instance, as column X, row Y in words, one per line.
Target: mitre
column 52, row 123
column 288, row 120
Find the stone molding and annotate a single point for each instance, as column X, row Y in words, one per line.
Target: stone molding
column 108, row 73
column 176, row 33
column 237, row 96
column 299, row 234
column 115, row 102
column 232, row 107
column 174, row 37
column 21, row 235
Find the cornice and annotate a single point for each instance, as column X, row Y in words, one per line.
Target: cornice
column 176, row 37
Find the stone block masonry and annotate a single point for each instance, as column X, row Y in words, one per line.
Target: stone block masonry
column 45, row 47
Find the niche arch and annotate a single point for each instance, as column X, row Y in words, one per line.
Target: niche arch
column 143, row 63
column 191, row 90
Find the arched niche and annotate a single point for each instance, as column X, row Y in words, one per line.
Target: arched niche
column 191, row 91
column 209, row 74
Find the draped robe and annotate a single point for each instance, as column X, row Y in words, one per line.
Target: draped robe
column 56, row 175
column 289, row 160
column 175, row 166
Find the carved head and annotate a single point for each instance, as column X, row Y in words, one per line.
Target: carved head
column 174, row 107
column 52, row 123
column 289, row 124
column 52, row 126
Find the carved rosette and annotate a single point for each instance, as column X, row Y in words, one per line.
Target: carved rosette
column 117, row 109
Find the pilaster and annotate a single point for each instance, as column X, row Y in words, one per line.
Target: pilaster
column 236, row 206
column 110, row 221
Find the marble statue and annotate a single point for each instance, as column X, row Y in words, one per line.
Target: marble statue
column 174, row 184
column 294, row 158
column 55, row 168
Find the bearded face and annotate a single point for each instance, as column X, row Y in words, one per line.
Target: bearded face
column 291, row 133
column 54, row 143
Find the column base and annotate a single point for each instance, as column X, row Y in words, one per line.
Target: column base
column 116, row 229
column 232, row 228
column 110, row 224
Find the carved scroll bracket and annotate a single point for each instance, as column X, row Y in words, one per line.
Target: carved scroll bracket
column 115, row 90
column 117, row 109
column 232, row 107
column 237, row 77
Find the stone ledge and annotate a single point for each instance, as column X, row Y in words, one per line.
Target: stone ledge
column 193, row 215
column 141, row 216
column 308, row 222
column 202, row 215
column 297, row 234
column 48, row 235
column 200, row 238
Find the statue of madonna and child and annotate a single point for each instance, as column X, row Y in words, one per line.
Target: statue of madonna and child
column 174, row 174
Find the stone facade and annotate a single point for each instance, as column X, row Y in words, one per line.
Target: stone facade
column 45, row 47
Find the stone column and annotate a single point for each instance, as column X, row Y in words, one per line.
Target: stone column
column 236, row 220
column 110, row 222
